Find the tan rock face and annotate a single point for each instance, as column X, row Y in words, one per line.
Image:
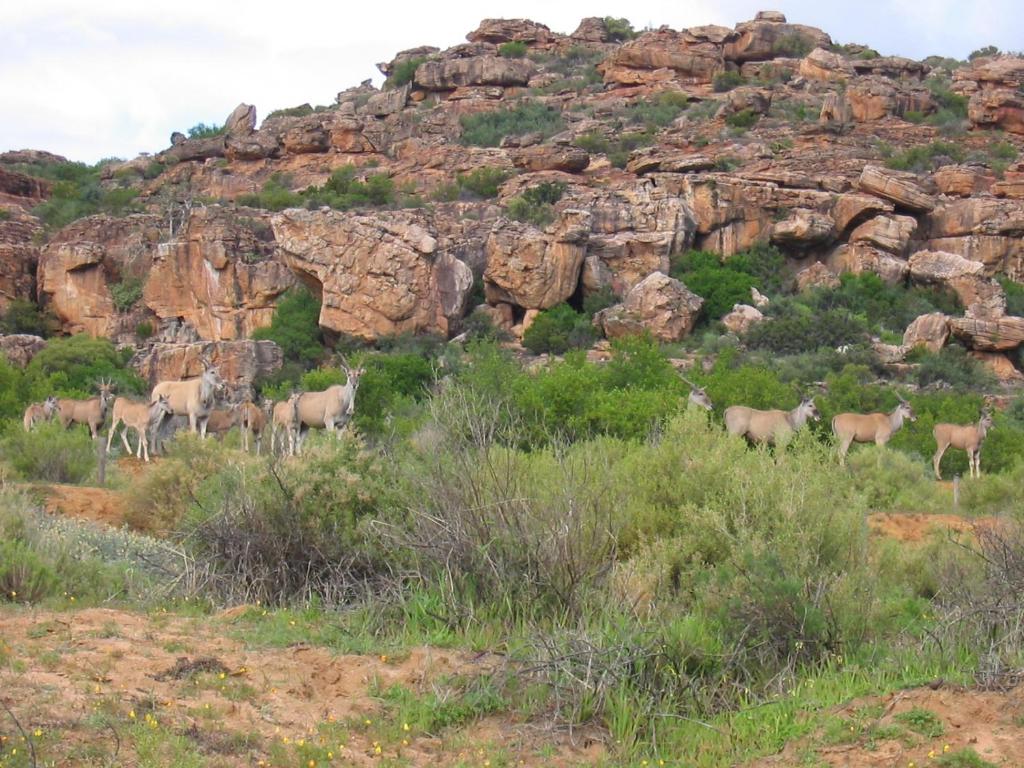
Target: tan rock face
column 816, row 275
column 993, row 335
column 962, row 180
column 661, row 160
column 890, row 233
column 742, row 318
column 851, row 209
column 19, row 255
column 999, row 365
column 929, row 331
column 858, row 258
column 875, row 98
column 449, row 74
column 999, row 108
column 549, row 158
column 826, row 66
column 21, row 189
column 803, row 229
column 536, row 269
column 506, row 30
column 78, row 265
column 19, row 348
column 769, row 38
column 659, row 304
column 219, row 274
column 982, row 296
column 664, row 54
column 239, row 363
column 900, row 188
column 379, row 274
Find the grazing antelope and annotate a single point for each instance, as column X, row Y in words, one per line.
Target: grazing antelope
column 253, row 420
column 92, row 411
column 221, row 421
column 144, row 418
column 698, row 396
column 769, row 426
column 38, row 412
column 192, row 397
column 285, row 416
column 874, row 428
column 967, row 437
column 328, row 409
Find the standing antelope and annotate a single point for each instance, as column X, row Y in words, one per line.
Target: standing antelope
column 192, row 397
column 253, row 421
column 698, row 396
column 92, row 411
column 221, row 421
column 330, row 408
column 967, row 437
column 769, row 426
column 285, row 416
column 874, row 428
column 142, row 417
column 38, row 412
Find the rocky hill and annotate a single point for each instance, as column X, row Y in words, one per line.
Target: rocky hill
column 526, row 168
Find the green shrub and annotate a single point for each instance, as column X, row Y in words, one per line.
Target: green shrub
column 344, row 191
column 77, row 192
column 952, row 366
column 984, row 51
column 144, row 330
column 389, row 388
column 5, row 214
column 743, row 119
column 483, row 182
column 23, row 316
column 295, row 327
column 794, row 46
column 963, row 758
column 791, row 328
column 300, row 111
column 618, row 30
column 275, row 195
column 487, row 129
column 926, row 158
column 72, row 366
column 513, row 49
column 126, row 293
column 49, row 453
column 656, row 112
column 727, row 80
column 204, row 131
column 536, row 204
column 558, row 330
column 403, row 72
column 723, row 283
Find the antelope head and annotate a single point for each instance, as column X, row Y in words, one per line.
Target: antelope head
column 809, row 409
column 50, row 405
column 160, row 408
column 106, row 387
column 986, row 419
column 905, row 410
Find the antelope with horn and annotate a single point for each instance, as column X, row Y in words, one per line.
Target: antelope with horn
column 698, row 396
column 968, row 437
column 144, row 418
column 92, row 412
column 875, row 428
column 330, row 408
column 285, row 417
column 769, row 426
column 38, row 412
column 252, row 420
column 192, row 397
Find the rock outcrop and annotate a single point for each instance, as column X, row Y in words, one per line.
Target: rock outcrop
column 659, row 305
column 19, row 348
column 239, row 363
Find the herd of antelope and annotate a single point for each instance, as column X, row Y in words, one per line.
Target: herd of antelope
column 173, row 404
column 775, row 426
column 192, row 402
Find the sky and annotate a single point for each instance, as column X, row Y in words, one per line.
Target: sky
column 114, row 78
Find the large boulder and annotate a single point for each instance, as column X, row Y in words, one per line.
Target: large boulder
column 241, row 122
column 900, row 188
column 379, row 274
column 768, row 38
column 857, row 258
column 929, row 331
column 816, row 275
column 19, row 348
column 851, row 209
column 661, row 159
column 665, row 54
column 19, row 255
column 989, row 335
column 875, row 98
column 997, row 108
column 963, row 180
column 507, row 30
column 826, row 66
column 659, row 305
column 742, row 318
column 982, row 296
column 803, row 229
column 449, row 74
column 545, row 157
column 890, row 233
column 533, row 268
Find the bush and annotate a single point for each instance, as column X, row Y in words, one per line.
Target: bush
column 49, row 453
column 483, row 182
column 536, row 204
column 73, row 366
column 618, row 30
column 656, row 112
column 77, row 192
column 144, row 330
column 391, row 385
column 514, row 49
column 988, row 50
column 951, row 366
column 487, row 129
column 793, row 46
column 126, row 293
column 23, row 316
column 558, row 330
column 404, row 72
column 727, row 80
column 204, row 131
column 295, row 327
column 743, row 119
column 926, row 158
column 790, row 328
column 344, row 191
column 724, row 283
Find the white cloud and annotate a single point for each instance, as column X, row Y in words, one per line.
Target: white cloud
column 115, row 77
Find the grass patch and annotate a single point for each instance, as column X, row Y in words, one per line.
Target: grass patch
column 487, row 129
